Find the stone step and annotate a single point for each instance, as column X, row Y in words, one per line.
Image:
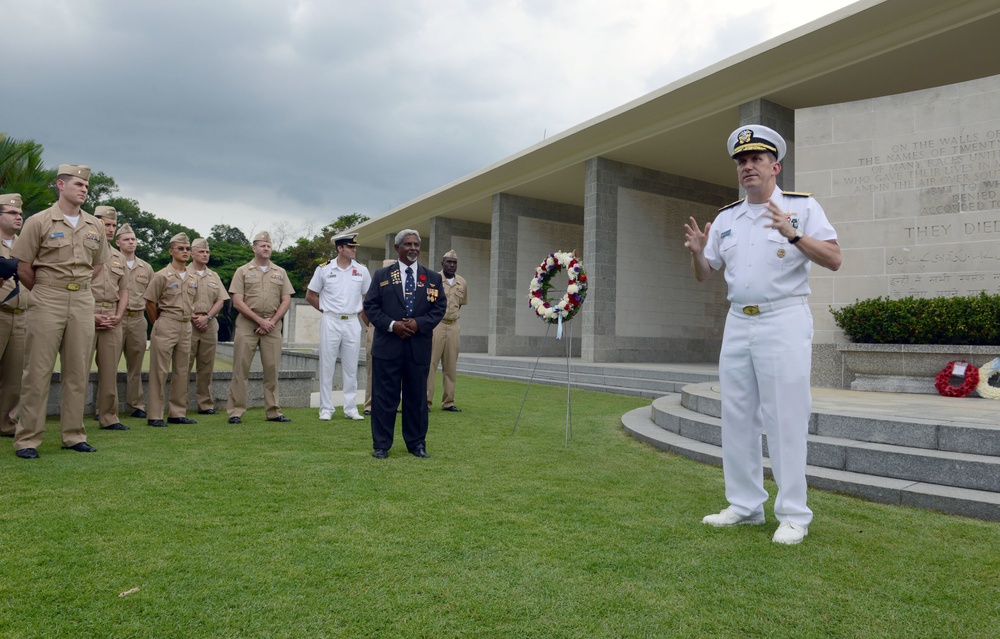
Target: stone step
column 945, row 468
column 980, row 504
column 833, row 421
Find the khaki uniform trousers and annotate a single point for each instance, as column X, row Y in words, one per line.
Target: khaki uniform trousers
column 246, row 342
column 134, row 327
column 370, row 332
column 12, row 333
column 62, row 321
column 108, row 347
column 444, row 349
column 203, row 347
column 169, row 349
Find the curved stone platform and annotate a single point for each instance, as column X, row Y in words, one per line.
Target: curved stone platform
column 924, row 451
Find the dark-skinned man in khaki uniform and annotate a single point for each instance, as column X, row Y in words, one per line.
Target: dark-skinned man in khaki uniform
column 261, row 294
column 208, row 300
column 60, row 250
column 13, row 319
column 169, row 298
column 138, row 273
column 110, row 304
column 447, row 334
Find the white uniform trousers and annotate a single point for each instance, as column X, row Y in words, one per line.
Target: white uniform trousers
column 764, row 371
column 339, row 337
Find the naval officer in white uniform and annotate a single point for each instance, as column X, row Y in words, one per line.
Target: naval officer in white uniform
column 766, row 243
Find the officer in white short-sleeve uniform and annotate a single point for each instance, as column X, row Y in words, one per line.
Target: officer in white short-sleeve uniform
column 766, row 243
column 337, row 290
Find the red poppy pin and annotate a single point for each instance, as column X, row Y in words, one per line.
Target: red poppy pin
column 423, row 278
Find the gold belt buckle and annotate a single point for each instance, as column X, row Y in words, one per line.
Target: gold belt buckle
column 343, row 317
column 751, row 310
column 185, row 319
column 72, row 286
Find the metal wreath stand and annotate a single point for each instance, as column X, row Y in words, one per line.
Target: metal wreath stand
column 569, row 348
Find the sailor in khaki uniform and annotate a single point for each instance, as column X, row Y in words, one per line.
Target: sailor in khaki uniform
column 110, row 302
column 210, row 295
column 261, row 294
column 765, row 244
column 169, row 298
column 138, row 272
column 60, row 250
column 13, row 319
column 447, row 334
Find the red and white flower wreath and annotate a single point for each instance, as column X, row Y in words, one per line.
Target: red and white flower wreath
column 970, row 380
column 576, row 289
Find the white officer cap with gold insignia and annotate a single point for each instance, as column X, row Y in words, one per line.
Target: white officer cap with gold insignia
column 756, row 137
column 199, row 242
column 180, row 238
column 12, row 199
column 106, row 212
column 263, row 236
column 345, row 239
column 76, row 170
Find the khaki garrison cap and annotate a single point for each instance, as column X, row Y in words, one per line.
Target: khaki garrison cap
column 11, row 199
column 388, row 262
column 199, row 242
column 124, row 229
column 180, row 238
column 106, row 212
column 452, row 254
column 756, row 137
column 263, row 236
column 76, row 170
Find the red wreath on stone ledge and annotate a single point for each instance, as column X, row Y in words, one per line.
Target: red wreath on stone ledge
column 943, row 380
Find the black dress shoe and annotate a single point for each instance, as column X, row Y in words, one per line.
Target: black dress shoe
column 27, row 453
column 117, row 426
column 453, row 409
column 419, row 451
column 180, row 420
column 279, row 418
column 6, row 434
column 210, row 411
column 82, row 447
column 156, row 423
column 235, row 420
column 367, row 412
column 378, row 453
column 138, row 414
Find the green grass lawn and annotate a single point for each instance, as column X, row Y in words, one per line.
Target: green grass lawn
column 266, row 530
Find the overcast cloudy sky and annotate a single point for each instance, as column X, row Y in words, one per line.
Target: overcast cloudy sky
column 254, row 112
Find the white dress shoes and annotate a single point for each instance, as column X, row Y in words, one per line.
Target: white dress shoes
column 729, row 518
column 355, row 416
column 325, row 415
column 789, row 533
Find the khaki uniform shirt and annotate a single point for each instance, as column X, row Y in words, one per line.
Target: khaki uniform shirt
column 59, row 252
column 107, row 284
column 458, row 296
column 262, row 291
column 137, row 279
column 174, row 296
column 19, row 301
column 208, row 291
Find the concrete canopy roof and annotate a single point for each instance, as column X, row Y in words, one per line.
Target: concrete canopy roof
column 869, row 49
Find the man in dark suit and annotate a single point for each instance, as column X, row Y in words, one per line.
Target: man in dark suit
column 405, row 302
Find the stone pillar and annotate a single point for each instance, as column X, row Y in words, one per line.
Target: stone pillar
column 503, row 276
column 600, row 245
column 782, row 120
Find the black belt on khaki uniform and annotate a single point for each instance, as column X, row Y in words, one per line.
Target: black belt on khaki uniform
column 12, row 311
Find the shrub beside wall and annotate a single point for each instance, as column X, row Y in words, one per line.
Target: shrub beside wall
column 910, row 320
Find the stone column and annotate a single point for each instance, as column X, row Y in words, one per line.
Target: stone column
column 782, row 120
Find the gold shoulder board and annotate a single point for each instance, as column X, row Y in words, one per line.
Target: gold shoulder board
column 729, row 206
column 797, row 194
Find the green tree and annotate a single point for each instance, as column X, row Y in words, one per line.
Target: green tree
column 226, row 233
column 101, row 189
column 22, row 171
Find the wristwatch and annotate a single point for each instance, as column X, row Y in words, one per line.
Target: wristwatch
column 798, row 236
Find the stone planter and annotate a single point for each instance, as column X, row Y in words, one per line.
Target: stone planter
column 906, row 368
